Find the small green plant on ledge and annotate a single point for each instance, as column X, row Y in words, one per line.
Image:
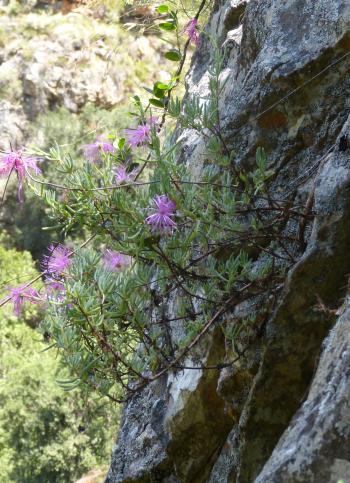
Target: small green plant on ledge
column 166, row 251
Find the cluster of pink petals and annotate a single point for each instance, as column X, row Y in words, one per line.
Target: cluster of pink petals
column 192, row 32
column 16, row 161
column 141, row 135
column 161, row 221
column 138, row 136
column 58, row 260
column 20, row 295
column 122, row 176
column 93, row 151
column 114, row 261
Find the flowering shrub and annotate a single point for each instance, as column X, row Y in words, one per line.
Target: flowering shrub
column 155, row 233
column 161, row 221
column 192, row 32
column 18, row 295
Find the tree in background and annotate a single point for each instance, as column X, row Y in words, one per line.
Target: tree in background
column 46, row 434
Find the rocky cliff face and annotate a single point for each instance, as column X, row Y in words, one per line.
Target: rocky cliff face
column 281, row 413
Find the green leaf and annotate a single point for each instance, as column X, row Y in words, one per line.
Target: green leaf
column 167, row 26
column 147, row 89
column 261, row 159
column 50, row 228
column 121, row 143
column 156, row 103
column 162, row 86
column 159, row 89
column 173, row 15
column 158, row 93
column 174, row 108
column 173, row 55
column 162, row 9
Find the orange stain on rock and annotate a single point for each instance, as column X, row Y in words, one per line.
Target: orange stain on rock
column 272, row 120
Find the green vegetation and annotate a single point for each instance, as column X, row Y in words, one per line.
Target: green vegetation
column 174, row 234
column 70, row 131
column 46, row 434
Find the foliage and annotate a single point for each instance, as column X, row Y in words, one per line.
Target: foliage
column 190, row 246
column 204, row 263
column 59, row 125
column 24, row 223
column 70, row 131
column 93, row 329
column 45, row 434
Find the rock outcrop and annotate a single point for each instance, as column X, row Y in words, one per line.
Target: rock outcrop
column 287, row 89
column 315, row 446
column 50, row 60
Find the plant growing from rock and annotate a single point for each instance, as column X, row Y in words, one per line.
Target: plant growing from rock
column 166, row 252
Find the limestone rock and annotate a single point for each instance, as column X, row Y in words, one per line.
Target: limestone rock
column 13, row 124
column 287, row 90
column 315, row 447
column 180, row 429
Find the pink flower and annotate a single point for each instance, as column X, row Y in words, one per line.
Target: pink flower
column 142, row 134
column 58, row 259
column 161, row 220
column 114, row 261
column 20, row 295
column 122, row 176
column 139, row 136
column 192, row 32
column 15, row 161
column 54, row 285
column 93, row 151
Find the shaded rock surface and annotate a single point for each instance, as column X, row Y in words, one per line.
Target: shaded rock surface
column 287, row 89
column 315, row 446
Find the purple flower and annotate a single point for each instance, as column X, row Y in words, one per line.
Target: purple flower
column 161, row 220
column 15, row 161
column 19, row 295
column 192, row 32
column 54, row 285
column 93, row 151
column 139, row 136
column 114, row 261
column 122, row 176
column 58, row 259
column 142, row 134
